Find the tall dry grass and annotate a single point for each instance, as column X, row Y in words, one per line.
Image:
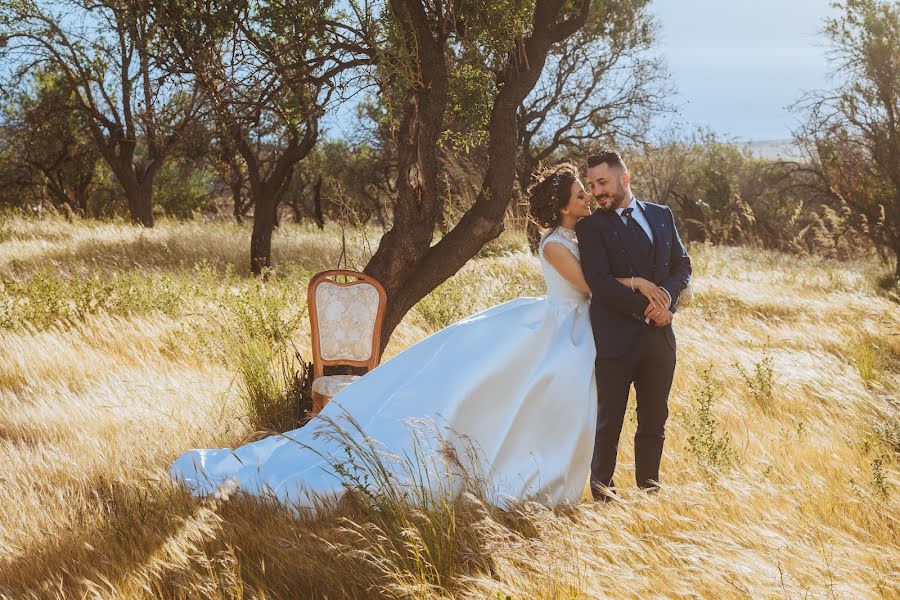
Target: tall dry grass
column 120, row 348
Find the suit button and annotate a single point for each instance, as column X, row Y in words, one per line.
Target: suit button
column 667, row 243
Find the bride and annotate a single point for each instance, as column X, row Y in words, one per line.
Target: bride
column 514, row 382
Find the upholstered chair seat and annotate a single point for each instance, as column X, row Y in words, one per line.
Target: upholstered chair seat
column 326, row 387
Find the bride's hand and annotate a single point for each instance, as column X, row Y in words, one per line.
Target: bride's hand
column 655, row 294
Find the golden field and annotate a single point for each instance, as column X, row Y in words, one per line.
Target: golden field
column 121, row 347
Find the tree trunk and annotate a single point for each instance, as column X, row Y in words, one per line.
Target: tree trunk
column 237, row 196
column 263, row 225
column 56, row 188
column 317, row 203
column 405, row 263
column 533, row 233
column 527, row 166
column 139, row 197
column 897, row 263
column 81, row 196
column 418, row 205
column 140, row 205
column 138, row 191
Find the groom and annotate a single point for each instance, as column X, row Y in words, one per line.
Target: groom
column 635, row 344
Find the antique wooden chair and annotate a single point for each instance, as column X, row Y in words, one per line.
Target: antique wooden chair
column 345, row 319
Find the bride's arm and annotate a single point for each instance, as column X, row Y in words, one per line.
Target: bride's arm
column 565, row 263
column 655, row 294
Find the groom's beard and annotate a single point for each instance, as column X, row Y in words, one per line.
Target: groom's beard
column 610, row 202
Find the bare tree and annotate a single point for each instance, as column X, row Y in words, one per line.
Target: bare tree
column 51, row 140
column 600, row 84
column 269, row 71
column 104, row 49
column 852, row 134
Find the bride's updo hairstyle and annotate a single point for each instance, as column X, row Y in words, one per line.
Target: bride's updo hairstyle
column 549, row 193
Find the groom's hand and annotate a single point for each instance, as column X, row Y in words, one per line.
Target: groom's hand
column 666, row 319
column 659, row 315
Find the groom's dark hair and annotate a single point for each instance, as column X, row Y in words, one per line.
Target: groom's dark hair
column 607, row 156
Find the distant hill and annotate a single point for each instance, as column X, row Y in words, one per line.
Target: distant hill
column 784, row 149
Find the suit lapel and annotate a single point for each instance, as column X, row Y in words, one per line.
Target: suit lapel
column 658, row 229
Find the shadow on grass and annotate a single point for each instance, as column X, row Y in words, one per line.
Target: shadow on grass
column 124, row 524
column 154, row 539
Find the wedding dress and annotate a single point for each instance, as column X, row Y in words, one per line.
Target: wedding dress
column 515, row 383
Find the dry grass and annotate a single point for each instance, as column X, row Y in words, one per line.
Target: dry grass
column 114, row 359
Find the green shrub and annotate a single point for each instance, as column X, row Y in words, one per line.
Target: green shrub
column 49, row 299
column 707, row 442
column 255, row 340
column 760, row 382
column 275, row 386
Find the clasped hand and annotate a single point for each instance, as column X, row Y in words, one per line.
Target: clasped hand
column 658, row 309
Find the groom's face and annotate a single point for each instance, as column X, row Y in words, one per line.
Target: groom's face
column 607, row 186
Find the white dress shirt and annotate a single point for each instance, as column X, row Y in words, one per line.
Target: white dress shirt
column 638, row 215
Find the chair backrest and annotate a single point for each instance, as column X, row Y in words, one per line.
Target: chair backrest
column 345, row 319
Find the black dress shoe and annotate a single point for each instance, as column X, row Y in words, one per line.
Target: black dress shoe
column 604, row 494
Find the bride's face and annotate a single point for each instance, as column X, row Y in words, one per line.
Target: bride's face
column 579, row 202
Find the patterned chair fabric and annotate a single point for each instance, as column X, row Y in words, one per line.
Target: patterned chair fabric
column 329, row 385
column 346, row 317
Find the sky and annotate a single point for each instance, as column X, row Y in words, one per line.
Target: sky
column 739, row 64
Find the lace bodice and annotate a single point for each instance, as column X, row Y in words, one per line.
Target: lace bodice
column 557, row 285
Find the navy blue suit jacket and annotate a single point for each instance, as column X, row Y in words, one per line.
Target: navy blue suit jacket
column 607, row 252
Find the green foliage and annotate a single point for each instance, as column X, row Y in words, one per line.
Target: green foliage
column 51, row 148
column 255, row 341
column 275, row 385
column 471, row 99
column 851, row 132
column 182, row 189
column 721, row 193
column 257, row 61
column 864, row 357
column 709, row 445
column 760, row 382
column 873, row 357
column 48, row 299
column 882, row 449
column 887, row 436
column 483, row 37
column 262, row 312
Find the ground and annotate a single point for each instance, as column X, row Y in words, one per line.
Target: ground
column 122, row 347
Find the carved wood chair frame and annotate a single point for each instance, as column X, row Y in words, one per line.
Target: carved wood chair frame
column 331, row 276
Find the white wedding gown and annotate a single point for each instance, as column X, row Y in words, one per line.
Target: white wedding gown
column 514, row 382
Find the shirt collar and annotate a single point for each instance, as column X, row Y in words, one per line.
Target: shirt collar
column 632, row 204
